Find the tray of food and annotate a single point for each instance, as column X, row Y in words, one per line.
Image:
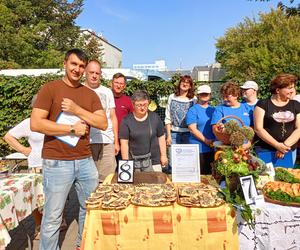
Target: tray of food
column 282, row 193
column 110, row 196
column 287, row 175
column 154, row 195
column 199, row 195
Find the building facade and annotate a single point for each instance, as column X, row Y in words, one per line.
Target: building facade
column 212, row 72
column 112, row 55
column 158, row 65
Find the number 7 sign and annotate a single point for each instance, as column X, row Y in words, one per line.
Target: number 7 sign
column 249, row 189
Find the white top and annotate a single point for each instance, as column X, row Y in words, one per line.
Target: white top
column 176, row 111
column 297, row 98
column 35, row 139
column 108, row 102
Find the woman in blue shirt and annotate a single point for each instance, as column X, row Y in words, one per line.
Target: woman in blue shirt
column 230, row 92
column 198, row 120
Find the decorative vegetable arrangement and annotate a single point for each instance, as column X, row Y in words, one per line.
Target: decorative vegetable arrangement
column 232, row 133
column 230, row 164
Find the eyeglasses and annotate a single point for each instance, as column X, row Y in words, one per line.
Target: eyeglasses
column 139, row 105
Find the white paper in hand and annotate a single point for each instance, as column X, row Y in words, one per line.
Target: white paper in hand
column 68, row 119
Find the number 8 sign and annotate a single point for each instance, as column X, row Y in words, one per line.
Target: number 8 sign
column 125, row 171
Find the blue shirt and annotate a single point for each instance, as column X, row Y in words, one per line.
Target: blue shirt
column 243, row 112
column 202, row 117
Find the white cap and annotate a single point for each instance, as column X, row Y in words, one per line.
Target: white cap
column 203, row 89
column 250, row 85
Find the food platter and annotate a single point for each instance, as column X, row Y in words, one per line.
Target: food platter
column 119, row 196
column 199, row 195
column 293, row 204
column 284, row 190
column 154, row 195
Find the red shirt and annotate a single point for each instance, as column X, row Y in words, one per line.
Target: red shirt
column 123, row 107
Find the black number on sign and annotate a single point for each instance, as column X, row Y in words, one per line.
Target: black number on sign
column 125, row 175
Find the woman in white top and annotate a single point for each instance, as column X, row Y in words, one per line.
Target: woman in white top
column 176, row 110
column 35, row 140
column 33, row 153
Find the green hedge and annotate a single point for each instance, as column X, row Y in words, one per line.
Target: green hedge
column 15, row 99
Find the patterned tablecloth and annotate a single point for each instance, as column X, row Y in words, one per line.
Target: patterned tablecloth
column 171, row 227
column 20, row 194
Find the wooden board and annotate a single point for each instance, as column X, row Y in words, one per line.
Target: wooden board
column 282, row 203
column 146, row 177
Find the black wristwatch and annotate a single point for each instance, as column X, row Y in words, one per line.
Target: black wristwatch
column 72, row 130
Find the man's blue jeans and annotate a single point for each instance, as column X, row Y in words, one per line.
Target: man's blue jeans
column 59, row 176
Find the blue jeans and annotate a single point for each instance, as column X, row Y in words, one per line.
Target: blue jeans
column 180, row 137
column 177, row 138
column 59, row 176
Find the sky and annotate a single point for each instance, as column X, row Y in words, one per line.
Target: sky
column 181, row 32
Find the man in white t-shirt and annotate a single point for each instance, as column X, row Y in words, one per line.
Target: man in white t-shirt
column 104, row 143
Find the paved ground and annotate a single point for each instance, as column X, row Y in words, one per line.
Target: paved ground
column 67, row 241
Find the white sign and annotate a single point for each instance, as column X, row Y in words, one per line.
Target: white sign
column 249, row 188
column 68, row 119
column 125, row 171
column 270, row 169
column 185, row 163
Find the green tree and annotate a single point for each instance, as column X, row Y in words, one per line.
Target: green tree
column 91, row 45
column 37, row 33
column 260, row 49
column 289, row 10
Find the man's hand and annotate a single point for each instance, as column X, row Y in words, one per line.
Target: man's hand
column 117, row 147
column 163, row 161
column 81, row 128
column 69, row 106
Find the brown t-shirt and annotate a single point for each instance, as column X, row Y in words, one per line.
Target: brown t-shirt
column 50, row 98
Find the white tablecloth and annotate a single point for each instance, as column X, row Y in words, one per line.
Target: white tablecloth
column 276, row 227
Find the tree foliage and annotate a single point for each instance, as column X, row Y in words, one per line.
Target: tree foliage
column 15, row 99
column 260, row 49
column 37, row 33
column 91, row 45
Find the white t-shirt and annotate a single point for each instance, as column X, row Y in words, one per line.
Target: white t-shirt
column 297, row 98
column 35, row 139
column 108, row 102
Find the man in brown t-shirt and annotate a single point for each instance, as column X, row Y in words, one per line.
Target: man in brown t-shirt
column 64, row 111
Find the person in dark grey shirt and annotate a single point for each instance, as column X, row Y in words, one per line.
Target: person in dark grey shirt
column 142, row 132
